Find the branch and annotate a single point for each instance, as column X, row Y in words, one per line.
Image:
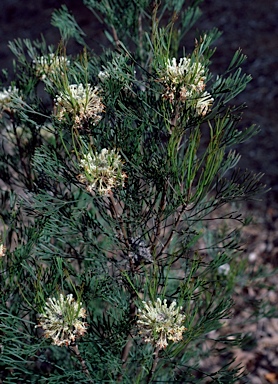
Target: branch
column 158, row 224
column 75, row 350
column 172, row 231
column 115, row 36
column 127, row 347
column 155, row 361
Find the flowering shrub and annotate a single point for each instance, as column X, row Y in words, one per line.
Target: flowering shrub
column 115, row 172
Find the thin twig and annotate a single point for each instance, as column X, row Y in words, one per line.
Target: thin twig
column 154, row 27
column 123, row 232
column 155, row 362
column 128, row 345
column 75, row 350
column 140, row 29
column 158, row 224
column 115, row 36
column 172, row 231
column 117, row 217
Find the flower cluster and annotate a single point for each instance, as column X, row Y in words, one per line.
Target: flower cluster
column 204, row 103
column 2, row 249
column 60, row 320
column 113, row 72
column 7, row 96
column 186, row 81
column 159, row 323
column 82, row 104
column 47, row 65
column 189, row 73
column 102, row 171
column 224, row 269
column 103, row 75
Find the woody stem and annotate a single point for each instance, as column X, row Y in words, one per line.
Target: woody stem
column 154, row 365
column 75, row 350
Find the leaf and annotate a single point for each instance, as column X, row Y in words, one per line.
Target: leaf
column 67, row 25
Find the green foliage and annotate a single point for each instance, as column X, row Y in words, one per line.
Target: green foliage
column 67, row 25
column 156, row 220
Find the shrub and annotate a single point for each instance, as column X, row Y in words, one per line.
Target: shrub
column 120, row 211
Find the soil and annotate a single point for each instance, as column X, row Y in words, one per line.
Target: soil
column 252, row 26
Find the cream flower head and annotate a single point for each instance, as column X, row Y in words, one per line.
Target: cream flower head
column 186, row 72
column 2, row 249
column 50, row 64
column 102, row 171
column 6, row 97
column 204, row 103
column 60, row 320
column 81, row 102
column 185, row 82
column 159, row 323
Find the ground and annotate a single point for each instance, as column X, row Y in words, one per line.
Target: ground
column 252, row 26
